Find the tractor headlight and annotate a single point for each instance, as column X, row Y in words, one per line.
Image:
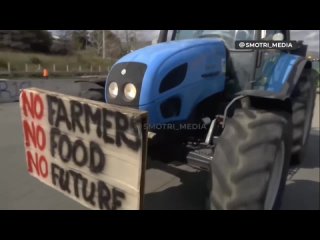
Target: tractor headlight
column 113, row 89
column 130, row 91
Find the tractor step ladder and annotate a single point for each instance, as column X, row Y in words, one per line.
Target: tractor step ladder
column 202, row 155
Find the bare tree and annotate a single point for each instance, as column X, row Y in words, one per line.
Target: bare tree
column 103, row 44
column 113, row 45
column 128, row 38
column 65, row 34
column 126, row 32
column 131, row 39
column 96, row 38
column 107, row 43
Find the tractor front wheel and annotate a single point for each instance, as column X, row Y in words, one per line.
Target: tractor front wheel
column 96, row 94
column 303, row 100
column 251, row 161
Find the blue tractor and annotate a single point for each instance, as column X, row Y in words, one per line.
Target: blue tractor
column 243, row 115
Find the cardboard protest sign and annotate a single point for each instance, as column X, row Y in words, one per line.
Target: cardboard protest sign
column 94, row 153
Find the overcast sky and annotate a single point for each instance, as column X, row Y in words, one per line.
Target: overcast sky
column 310, row 37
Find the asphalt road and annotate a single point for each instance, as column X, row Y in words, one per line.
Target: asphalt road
column 9, row 89
column 168, row 186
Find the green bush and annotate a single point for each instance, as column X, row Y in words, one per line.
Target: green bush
column 84, row 59
column 35, row 60
column 80, row 59
column 3, row 63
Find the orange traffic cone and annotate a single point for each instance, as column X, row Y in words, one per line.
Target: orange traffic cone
column 45, row 73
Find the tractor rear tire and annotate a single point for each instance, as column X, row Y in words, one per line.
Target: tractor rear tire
column 303, row 100
column 251, row 161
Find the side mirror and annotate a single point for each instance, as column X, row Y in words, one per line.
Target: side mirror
column 278, row 37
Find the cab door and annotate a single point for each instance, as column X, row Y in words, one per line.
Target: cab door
column 267, row 59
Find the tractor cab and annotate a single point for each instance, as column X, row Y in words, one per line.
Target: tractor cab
column 245, row 68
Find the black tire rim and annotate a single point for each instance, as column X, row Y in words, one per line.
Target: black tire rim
column 275, row 178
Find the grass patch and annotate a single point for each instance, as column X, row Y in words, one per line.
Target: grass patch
column 36, row 62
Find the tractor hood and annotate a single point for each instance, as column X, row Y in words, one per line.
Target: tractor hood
column 158, row 70
column 162, row 51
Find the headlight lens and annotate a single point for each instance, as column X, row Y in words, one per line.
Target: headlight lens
column 113, row 89
column 130, row 91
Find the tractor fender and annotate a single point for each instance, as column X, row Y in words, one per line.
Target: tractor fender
column 287, row 87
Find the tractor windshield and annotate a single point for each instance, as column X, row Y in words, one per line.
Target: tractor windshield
column 228, row 36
